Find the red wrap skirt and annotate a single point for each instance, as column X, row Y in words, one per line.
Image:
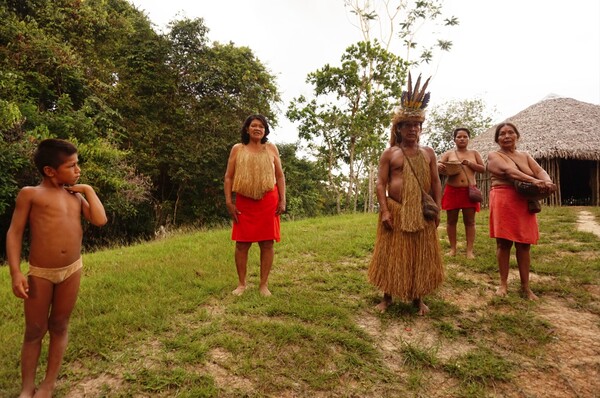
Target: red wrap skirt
column 510, row 218
column 457, row 198
column 257, row 220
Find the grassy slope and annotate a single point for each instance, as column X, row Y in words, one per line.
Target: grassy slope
column 158, row 319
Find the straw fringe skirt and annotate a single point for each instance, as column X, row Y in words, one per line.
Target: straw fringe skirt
column 407, row 265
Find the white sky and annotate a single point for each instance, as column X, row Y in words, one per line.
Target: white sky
column 509, row 53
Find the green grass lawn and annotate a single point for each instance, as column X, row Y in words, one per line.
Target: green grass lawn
column 157, row 319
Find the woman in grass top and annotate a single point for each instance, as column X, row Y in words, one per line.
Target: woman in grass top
column 255, row 174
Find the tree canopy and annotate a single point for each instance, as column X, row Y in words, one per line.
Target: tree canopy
column 443, row 119
column 153, row 115
column 346, row 121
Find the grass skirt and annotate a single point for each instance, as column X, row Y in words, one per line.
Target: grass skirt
column 407, row 265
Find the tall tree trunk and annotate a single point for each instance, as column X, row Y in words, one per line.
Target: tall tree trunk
column 332, row 184
column 351, row 173
column 176, row 206
column 371, row 190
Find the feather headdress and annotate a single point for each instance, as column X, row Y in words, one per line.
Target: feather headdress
column 413, row 102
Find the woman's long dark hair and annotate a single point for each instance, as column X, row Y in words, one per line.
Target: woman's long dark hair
column 244, row 130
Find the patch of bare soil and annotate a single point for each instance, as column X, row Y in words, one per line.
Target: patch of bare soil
column 586, row 222
column 94, row 387
column 573, row 359
column 391, row 336
column 568, row 368
column 224, row 379
column 147, row 354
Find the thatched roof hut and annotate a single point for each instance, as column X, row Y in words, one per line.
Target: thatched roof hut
column 563, row 135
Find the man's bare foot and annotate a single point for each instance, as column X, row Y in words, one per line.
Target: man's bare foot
column 451, row 253
column 385, row 303
column 470, row 255
column 239, row 290
column 420, row 304
column 383, row 306
column 502, row 291
column 528, row 294
column 264, row 291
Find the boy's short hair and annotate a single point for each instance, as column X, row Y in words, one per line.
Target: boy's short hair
column 52, row 152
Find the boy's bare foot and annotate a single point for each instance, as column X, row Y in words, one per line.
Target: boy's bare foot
column 43, row 392
column 470, row 255
column 423, row 309
column 502, row 291
column 27, row 393
column 451, row 253
column 528, row 294
column 239, row 290
column 264, row 291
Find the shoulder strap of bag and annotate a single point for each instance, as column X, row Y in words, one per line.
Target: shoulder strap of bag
column 506, row 156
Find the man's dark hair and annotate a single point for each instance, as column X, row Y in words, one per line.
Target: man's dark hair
column 52, row 152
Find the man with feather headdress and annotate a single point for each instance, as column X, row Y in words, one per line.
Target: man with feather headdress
column 406, row 260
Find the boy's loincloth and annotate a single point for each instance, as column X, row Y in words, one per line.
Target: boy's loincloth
column 55, row 275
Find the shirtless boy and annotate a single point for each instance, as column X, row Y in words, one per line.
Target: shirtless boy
column 53, row 211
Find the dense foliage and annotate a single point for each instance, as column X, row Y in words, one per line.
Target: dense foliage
column 153, row 115
column 345, row 124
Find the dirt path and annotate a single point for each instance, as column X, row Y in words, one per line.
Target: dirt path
column 586, row 222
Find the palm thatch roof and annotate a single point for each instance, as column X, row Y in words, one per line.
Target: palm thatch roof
column 553, row 128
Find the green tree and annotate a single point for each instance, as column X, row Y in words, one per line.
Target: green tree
column 346, row 123
column 56, row 73
column 153, row 115
column 351, row 107
column 217, row 87
column 305, row 184
column 444, row 118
